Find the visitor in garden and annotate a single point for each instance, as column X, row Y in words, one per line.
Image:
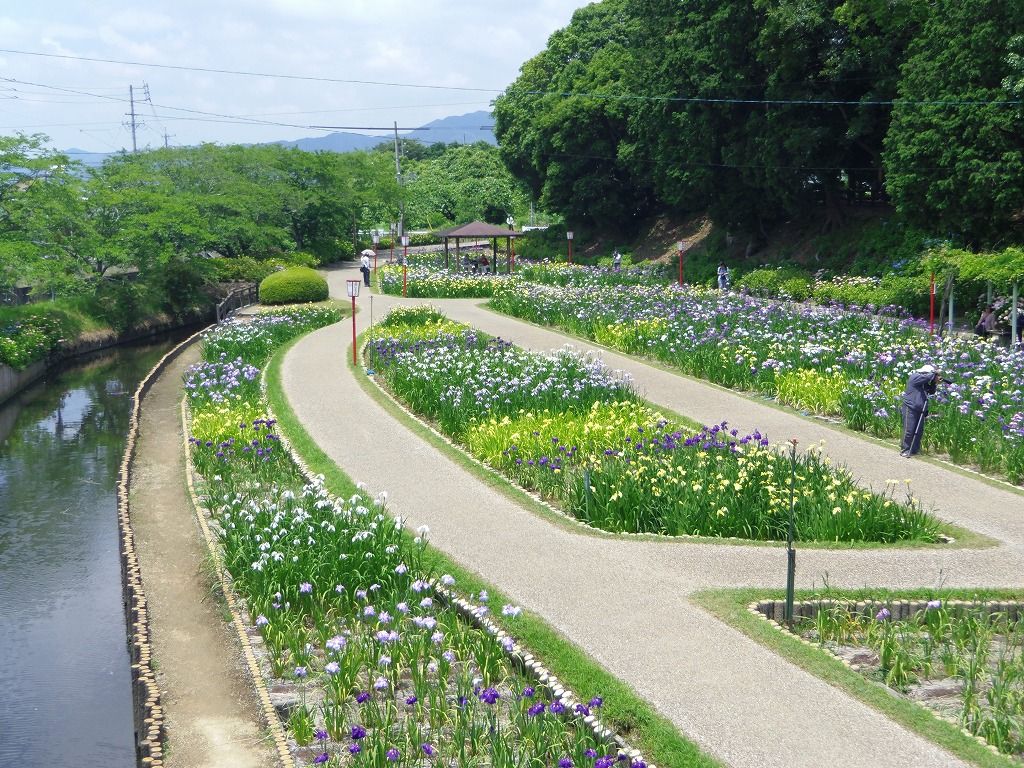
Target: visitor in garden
column 723, row 276
column 617, row 261
column 364, row 267
column 920, row 385
column 987, row 323
column 484, row 263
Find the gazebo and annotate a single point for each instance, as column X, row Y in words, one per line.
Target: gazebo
column 479, row 229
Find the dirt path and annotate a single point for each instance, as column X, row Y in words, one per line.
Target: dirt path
column 213, row 718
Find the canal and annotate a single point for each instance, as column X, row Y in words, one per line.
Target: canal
column 65, row 684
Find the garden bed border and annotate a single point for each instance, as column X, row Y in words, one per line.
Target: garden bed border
column 234, row 604
column 772, row 611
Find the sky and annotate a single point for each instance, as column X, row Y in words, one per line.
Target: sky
column 428, row 48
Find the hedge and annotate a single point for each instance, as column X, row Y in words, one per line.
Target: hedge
column 294, row 285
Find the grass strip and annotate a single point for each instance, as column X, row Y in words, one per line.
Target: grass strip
column 623, row 710
column 730, row 605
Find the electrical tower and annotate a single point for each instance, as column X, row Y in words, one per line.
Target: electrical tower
column 133, row 118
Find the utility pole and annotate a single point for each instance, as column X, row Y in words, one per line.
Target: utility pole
column 131, row 98
column 166, row 137
column 398, row 178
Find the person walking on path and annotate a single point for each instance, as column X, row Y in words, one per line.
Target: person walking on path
column 920, row 385
column 723, row 276
column 617, row 261
column 364, row 267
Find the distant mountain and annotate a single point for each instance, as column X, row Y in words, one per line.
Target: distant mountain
column 461, row 129
column 334, row 142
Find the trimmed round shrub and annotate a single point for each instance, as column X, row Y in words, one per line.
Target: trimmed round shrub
column 294, row 285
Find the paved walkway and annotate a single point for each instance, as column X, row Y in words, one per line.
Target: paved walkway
column 625, row 602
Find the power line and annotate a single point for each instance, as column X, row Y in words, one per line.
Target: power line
column 562, row 94
column 246, row 73
column 237, row 119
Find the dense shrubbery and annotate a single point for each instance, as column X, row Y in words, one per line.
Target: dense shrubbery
column 294, row 285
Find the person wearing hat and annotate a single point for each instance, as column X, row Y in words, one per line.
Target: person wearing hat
column 364, row 267
column 920, row 385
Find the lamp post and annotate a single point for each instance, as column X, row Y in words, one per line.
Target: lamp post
column 394, row 231
column 568, row 236
column 682, row 247
column 405, row 264
column 353, row 291
column 790, row 552
column 511, row 245
column 376, row 242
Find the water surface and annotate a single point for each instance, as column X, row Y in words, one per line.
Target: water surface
column 65, row 681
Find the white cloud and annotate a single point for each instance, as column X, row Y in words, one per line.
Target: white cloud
column 454, row 43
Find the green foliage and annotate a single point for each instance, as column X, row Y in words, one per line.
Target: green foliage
column 781, row 281
column 953, row 152
column 465, row 183
column 562, row 136
column 293, row 286
column 122, row 303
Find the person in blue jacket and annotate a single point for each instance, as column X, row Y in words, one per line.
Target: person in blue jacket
column 921, row 385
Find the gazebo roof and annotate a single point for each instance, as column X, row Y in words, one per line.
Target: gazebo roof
column 478, row 229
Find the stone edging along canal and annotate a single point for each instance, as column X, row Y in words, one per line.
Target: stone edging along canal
column 147, row 710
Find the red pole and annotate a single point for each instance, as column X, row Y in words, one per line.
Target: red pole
column 931, row 307
column 355, row 361
column 405, row 268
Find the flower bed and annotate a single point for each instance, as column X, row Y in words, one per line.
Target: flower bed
column 428, row 281
column 824, row 360
column 384, row 672
column 963, row 660
column 567, row 427
column 426, row 278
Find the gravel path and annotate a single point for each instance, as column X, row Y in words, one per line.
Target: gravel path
column 625, row 602
column 213, row 716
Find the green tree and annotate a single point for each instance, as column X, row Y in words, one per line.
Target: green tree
column 562, row 123
column 954, row 154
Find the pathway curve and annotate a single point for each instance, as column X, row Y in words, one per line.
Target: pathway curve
column 625, row 601
column 213, row 717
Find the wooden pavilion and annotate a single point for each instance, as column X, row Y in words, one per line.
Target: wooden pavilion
column 476, row 230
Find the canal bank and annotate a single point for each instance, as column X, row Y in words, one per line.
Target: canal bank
column 207, row 713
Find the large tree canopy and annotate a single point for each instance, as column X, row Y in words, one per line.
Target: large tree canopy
column 761, row 111
column 955, row 149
